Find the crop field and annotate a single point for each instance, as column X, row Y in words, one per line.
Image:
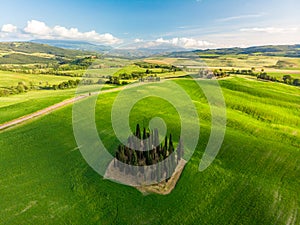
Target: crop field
column 248, row 61
column 8, row 79
column 253, row 180
column 233, row 61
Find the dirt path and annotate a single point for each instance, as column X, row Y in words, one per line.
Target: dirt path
column 51, row 109
column 62, row 104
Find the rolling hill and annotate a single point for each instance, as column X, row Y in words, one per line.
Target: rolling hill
column 27, row 52
column 268, row 50
column 253, row 180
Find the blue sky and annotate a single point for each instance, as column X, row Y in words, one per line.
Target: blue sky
column 185, row 23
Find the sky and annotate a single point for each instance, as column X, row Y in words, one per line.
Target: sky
column 192, row 24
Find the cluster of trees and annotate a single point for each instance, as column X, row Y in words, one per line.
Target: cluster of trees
column 244, row 72
column 264, row 76
column 74, row 83
column 148, row 72
column 20, row 88
column 288, row 79
column 221, row 73
column 66, row 84
column 157, row 66
column 137, row 153
column 129, row 76
column 115, row 80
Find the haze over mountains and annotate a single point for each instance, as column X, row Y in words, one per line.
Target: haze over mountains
column 146, row 49
column 77, row 45
column 26, row 52
column 140, row 49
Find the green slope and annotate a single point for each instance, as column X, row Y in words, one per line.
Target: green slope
column 30, row 53
column 254, row 179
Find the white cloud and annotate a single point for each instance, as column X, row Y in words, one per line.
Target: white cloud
column 8, row 28
column 39, row 29
column 185, row 42
column 161, row 43
column 137, row 40
column 231, row 18
column 74, row 33
column 270, row 30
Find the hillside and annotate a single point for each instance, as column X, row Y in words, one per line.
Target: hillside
column 268, row 50
column 253, row 180
column 27, row 53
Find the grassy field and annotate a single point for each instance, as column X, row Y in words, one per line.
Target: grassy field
column 8, row 79
column 155, row 71
column 248, row 61
column 93, row 72
column 15, row 106
column 274, row 66
column 253, row 180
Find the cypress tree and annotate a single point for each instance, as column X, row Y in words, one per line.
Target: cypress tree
column 165, row 149
column 144, row 134
column 138, row 131
column 171, row 147
column 148, row 158
column 156, row 137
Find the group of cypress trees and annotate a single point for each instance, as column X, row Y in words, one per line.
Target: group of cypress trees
column 145, row 150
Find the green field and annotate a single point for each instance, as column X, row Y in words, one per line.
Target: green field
column 93, row 72
column 253, row 180
column 8, row 79
column 15, row 106
column 247, row 61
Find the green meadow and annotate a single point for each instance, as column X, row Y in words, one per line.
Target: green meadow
column 253, row 180
column 15, row 106
column 8, row 79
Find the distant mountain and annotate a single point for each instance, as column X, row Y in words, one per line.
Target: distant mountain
column 268, row 50
column 76, row 45
column 170, row 50
column 138, row 50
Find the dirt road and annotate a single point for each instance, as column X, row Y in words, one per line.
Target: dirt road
column 51, row 109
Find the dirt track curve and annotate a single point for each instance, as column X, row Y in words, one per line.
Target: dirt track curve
column 51, row 109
